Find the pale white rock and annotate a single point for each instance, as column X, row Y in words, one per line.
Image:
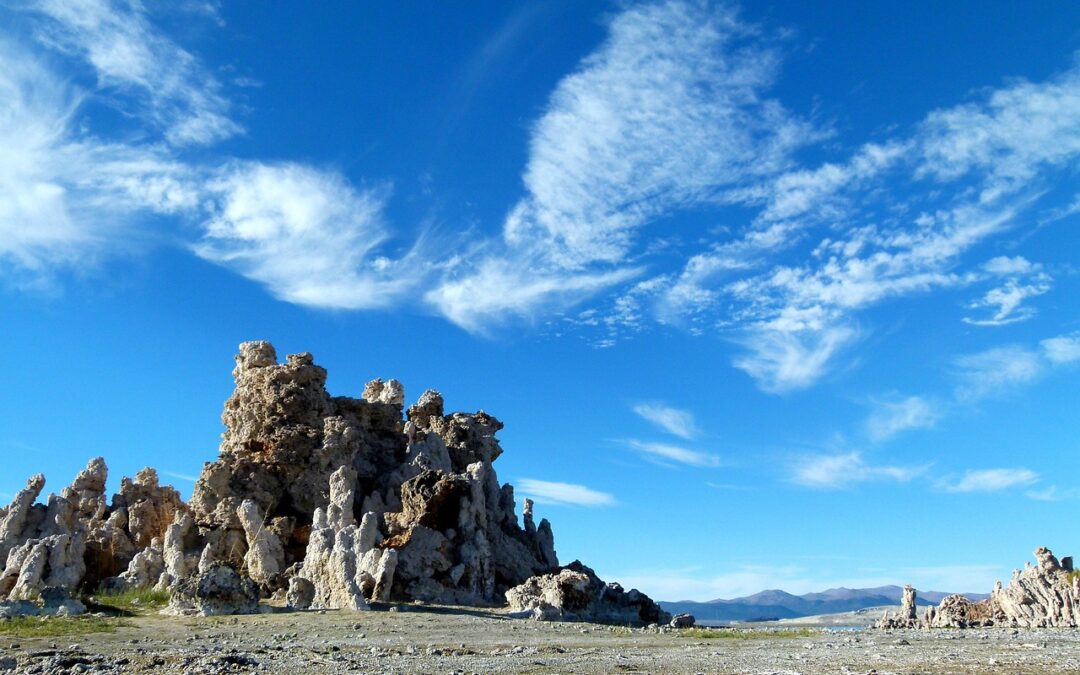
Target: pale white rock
column 56, row 560
column 390, row 392
column 176, row 563
column 265, row 557
column 13, row 518
column 146, row 568
column 301, row 593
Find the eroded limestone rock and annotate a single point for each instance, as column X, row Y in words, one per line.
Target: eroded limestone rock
column 13, row 518
column 297, row 469
column 1044, row 595
column 218, row 590
column 265, row 556
column 907, row 617
column 575, row 593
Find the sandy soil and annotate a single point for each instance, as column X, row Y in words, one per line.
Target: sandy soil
column 442, row 640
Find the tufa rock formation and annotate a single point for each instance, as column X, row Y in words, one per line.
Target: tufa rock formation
column 325, row 501
column 1044, row 595
column 575, row 593
column 907, row 617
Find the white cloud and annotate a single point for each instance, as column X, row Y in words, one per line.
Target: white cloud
column 834, row 471
column 308, row 235
column 67, row 197
column 901, row 216
column 668, row 113
column 995, row 370
column 1018, row 131
column 1052, row 494
column 991, row 480
column 500, row 288
column 781, row 361
column 547, row 492
column 1025, row 280
column 665, row 452
column 1006, row 266
column 133, row 57
column 893, row 417
column 1062, row 349
column 1006, row 300
column 672, row 420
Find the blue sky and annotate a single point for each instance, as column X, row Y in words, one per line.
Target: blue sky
column 768, row 296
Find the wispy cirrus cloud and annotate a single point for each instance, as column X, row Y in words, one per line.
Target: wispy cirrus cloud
column 892, row 417
column 990, row 480
column 913, row 209
column 668, row 113
column 68, row 197
column 1001, row 369
column 840, row 470
column 563, row 494
column 1051, row 493
column 1061, row 350
column 1022, row 280
column 674, row 421
column 308, row 235
column 666, row 453
column 782, row 359
column 131, row 56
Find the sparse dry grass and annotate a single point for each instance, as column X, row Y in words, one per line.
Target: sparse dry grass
column 54, row 626
column 745, row 633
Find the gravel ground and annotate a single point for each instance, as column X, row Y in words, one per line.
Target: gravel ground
column 469, row 641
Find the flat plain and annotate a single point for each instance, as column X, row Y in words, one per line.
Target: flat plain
column 422, row 639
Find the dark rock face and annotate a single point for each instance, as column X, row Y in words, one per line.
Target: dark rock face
column 218, row 590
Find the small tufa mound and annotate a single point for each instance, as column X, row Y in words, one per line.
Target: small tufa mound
column 683, row 621
column 575, row 593
column 218, row 590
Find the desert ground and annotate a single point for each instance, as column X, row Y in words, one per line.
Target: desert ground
column 421, row 639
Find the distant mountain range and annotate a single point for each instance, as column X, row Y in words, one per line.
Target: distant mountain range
column 777, row 604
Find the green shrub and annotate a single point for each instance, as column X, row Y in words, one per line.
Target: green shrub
column 132, row 599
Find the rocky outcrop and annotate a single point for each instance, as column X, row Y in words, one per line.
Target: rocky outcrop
column 343, row 564
column 683, row 621
column 218, row 590
column 16, row 519
column 575, row 593
column 265, row 557
column 425, row 484
column 329, row 501
column 907, row 617
column 1044, row 595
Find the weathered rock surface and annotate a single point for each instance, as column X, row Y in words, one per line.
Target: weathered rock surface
column 683, row 621
column 265, row 556
column 218, row 590
column 1044, row 595
column 444, row 529
column 15, row 518
column 907, row 617
column 327, row 501
column 575, row 593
